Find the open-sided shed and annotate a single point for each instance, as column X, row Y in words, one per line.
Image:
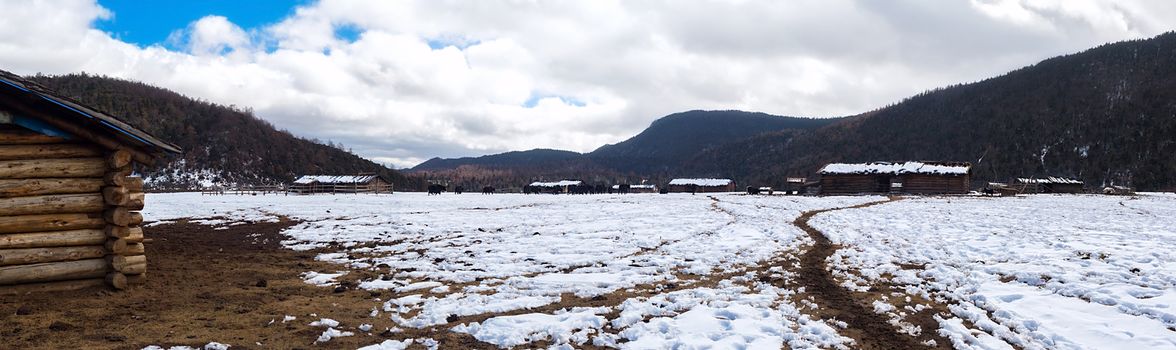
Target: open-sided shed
column 311, row 184
column 896, row 177
column 1049, row 184
column 68, row 205
column 562, row 186
column 702, row 185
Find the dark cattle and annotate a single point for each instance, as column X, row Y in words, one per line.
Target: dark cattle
column 436, row 189
column 602, row 189
column 487, row 190
column 752, row 190
column 624, row 189
column 458, row 190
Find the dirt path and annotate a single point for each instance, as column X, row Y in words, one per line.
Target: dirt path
column 871, row 331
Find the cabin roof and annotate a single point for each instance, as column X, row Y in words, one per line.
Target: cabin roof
column 897, row 168
column 17, row 90
column 1049, row 181
column 334, row 179
column 701, row 182
column 557, row 183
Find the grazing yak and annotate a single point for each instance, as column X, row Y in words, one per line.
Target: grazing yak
column 487, row 190
column 436, row 189
column 458, row 190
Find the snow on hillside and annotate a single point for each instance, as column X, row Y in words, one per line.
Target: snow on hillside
column 685, row 258
column 1066, row 272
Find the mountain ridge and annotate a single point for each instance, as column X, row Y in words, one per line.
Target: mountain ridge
column 1104, row 115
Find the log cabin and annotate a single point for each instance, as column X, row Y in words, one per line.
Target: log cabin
column 701, row 185
column 311, row 184
column 895, row 177
column 69, row 207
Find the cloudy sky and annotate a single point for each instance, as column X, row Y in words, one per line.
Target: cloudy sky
column 403, row 81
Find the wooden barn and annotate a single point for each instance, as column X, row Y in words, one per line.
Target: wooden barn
column 701, row 185
column 312, row 184
column 1047, row 185
column 896, row 177
column 68, row 206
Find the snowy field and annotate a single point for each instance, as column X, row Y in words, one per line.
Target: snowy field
column 1033, row 272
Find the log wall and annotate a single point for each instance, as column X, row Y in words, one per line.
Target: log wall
column 840, row 184
column 934, row 184
column 701, row 189
column 68, row 215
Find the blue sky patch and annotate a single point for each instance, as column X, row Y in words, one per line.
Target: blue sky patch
column 459, row 43
column 348, row 32
column 535, row 97
column 146, row 23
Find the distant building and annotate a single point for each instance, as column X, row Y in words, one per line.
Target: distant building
column 1047, row 185
column 635, row 188
column 701, row 185
column 563, row 186
column 896, row 177
column 310, row 184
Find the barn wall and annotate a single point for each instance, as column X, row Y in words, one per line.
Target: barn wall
column 1064, row 188
column 835, row 184
column 68, row 215
column 704, row 189
column 934, row 184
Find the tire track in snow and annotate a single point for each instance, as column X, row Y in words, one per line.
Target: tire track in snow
column 869, row 329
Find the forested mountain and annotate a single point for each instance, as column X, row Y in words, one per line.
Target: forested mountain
column 503, row 160
column 651, row 155
column 675, row 138
column 1106, row 115
column 222, row 145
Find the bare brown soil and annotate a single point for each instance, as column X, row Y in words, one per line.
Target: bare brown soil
column 203, row 286
column 870, row 330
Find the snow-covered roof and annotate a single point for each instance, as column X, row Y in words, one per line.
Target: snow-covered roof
column 334, row 179
column 557, row 184
column 897, row 168
column 1049, row 180
column 701, row 182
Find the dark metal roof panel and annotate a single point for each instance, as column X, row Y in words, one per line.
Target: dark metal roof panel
column 125, row 131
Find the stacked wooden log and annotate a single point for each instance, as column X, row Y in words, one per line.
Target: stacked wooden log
column 68, row 215
column 124, row 197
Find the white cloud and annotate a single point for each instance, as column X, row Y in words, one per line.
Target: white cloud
column 596, row 71
column 212, row 35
